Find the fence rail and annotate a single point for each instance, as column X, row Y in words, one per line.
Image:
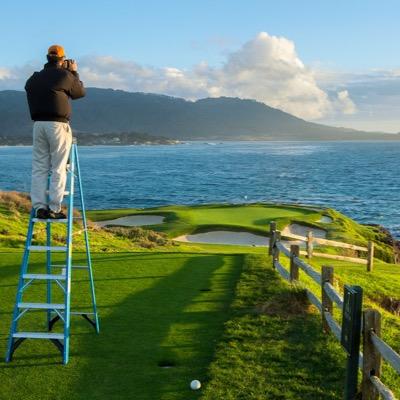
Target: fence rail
column 327, row 242
column 374, row 348
column 310, row 240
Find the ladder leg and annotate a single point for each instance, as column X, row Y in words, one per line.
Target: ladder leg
column 48, row 271
column 14, row 323
column 87, row 244
column 68, row 263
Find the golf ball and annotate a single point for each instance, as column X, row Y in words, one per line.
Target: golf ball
column 195, row 385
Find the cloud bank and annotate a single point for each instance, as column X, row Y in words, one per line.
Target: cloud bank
column 267, row 68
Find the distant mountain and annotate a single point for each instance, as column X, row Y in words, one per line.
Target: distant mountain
column 117, row 111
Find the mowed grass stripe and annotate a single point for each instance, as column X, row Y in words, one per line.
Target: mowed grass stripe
column 273, row 347
column 153, row 309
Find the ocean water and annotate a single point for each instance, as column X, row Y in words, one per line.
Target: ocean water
column 360, row 179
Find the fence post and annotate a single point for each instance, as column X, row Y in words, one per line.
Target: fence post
column 294, row 269
column 372, row 359
column 370, row 257
column 272, row 238
column 327, row 304
column 275, row 254
column 309, row 244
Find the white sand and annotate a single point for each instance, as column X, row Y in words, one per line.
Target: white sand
column 133, row 220
column 301, row 230
column 326, row 220
column 226, row 237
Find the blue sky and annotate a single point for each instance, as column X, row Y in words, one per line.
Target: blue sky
column 345, row 34
column 347, row 44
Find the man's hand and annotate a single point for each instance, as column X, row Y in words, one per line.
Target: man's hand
column 73, row 67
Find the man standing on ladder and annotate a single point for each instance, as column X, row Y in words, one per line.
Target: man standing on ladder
column 49, row 92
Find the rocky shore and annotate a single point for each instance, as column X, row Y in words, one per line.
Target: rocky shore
column 95, row 139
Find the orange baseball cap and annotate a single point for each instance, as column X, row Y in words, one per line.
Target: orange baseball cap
column 56, row 50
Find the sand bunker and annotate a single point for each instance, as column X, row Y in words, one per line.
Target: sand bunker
column 301, row 230
column 326, row 220
column 226, row 237
column 133, row 220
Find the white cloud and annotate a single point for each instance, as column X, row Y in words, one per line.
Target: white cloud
column 5, row 73
column 265, row 68
column 375, row 94
column 345, row 104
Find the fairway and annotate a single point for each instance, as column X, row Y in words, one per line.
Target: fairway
column 176, row 312
column 154, row 308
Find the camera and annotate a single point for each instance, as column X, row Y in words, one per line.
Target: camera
column 68, row 64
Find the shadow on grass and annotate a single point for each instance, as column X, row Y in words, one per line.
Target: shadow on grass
column 274, row 347
column 164, row 324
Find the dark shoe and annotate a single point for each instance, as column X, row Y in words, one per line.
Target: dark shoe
column 56, row 215
column 42, row 213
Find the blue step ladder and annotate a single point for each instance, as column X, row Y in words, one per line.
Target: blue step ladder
column 59, row 274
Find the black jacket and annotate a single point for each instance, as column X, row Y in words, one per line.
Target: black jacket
column 49, row 91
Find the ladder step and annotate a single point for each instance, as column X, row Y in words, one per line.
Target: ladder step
column 47, row 248
column 44, row 276
column 42, row 306
column 51, row 220
column 39, row 335
column 66, row 193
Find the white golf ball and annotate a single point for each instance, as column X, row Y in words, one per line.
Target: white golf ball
column 195, row 385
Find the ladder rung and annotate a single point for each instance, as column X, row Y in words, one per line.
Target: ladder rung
column 39, row 335
column 44, row 276
column 66, row 193
column 42, row 306
column 47, row 248
column 51, row 220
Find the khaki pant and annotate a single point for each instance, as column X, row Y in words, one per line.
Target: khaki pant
column 51, row 146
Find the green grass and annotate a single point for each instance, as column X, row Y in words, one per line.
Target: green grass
column 255, row 218
column 252, row 336
column 280, row 353
column 180, row 219
column 152, row 310
column 383, row 282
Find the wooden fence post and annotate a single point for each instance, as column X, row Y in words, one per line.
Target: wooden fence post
column 272, row 238
column 327, row 303
column 275, row 254
column 370, row 257
column 294, row 269
column 309, row 244
column 372, row 359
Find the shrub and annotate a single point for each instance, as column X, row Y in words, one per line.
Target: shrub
column 142, row 237
column 16, row 201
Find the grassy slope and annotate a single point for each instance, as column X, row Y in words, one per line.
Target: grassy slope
column 273, row 347
column 383, row 281
column 381, row 284
column 126, row 268
column 152, row 310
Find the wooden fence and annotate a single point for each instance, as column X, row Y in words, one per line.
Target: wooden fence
column 374, row 348
column 310, row 240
